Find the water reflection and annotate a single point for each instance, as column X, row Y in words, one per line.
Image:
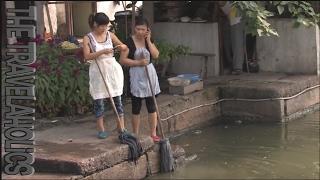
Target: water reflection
column 249, row 151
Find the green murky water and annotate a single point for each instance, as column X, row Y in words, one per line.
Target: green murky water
column 251, row 151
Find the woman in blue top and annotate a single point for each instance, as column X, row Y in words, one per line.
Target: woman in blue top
column 141, row 50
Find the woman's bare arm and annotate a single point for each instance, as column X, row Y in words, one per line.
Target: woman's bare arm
column 124, row 60
column 116, row 41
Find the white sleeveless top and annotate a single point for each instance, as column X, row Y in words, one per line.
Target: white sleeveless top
column 110, row 68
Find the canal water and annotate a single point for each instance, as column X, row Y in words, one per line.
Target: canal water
column 250, row 151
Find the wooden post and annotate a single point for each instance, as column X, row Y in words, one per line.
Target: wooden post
column 221, row 40
column 67, row 9
column 71, row 19
column 124, row 4
column 94, row 7
column 40, row 20
column 133, row 16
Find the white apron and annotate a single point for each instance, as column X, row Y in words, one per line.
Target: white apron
column 110, row 68
column 139, row 82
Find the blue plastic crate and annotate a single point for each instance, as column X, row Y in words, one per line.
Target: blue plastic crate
column 192, row 77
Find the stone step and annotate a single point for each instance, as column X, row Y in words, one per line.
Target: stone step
column 139, row 170
column 82, row 157
column 150, row 162
column 261, row 90
column 256, row 87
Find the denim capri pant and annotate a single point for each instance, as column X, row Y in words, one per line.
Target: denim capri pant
column 99, row 106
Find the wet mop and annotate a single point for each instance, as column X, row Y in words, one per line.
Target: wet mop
column 135, row 148
column 166, row 156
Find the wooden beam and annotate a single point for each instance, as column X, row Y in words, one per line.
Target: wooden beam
column 40, row 17
column 56, row 2
column 71, row 19
column 124, row 4
column 67, row 11
column 133, row 16
column 94, row 7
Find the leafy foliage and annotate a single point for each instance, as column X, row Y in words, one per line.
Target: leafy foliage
column 62, row 82
column 301, row 10
column 169, row 51
column 256, row 14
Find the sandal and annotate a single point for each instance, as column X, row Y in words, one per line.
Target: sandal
column 102, row 135
column 155, row 138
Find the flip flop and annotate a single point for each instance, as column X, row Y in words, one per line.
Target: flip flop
column 155, row 138
column 102, row 134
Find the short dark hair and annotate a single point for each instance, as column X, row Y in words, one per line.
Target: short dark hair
column 99, row 18
column 142, row 21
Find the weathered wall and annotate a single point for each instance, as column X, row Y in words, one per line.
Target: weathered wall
column 200, row 37
column 61, row 13
column 40, row 17
column 80, row 13
column 295, row 51
column 148, row 11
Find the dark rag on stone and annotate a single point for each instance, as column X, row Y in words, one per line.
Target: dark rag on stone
column 135, row 148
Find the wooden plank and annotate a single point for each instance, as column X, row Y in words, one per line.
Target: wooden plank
column 202, row 54
column 204, row 69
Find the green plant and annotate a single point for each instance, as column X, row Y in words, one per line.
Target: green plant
column 62, row 82
column 301, row 10
column 257, row 16
column 168, row 52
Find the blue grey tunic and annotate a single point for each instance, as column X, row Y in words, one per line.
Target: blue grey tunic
column 138, row 78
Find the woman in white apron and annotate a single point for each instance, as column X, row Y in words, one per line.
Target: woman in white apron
column 141, row 51
column 102, row 42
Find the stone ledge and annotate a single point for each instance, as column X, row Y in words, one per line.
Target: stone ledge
column 83, row 158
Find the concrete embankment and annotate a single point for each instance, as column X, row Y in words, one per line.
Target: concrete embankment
column 73, row 151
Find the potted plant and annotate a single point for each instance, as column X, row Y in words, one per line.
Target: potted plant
column 168, row 52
